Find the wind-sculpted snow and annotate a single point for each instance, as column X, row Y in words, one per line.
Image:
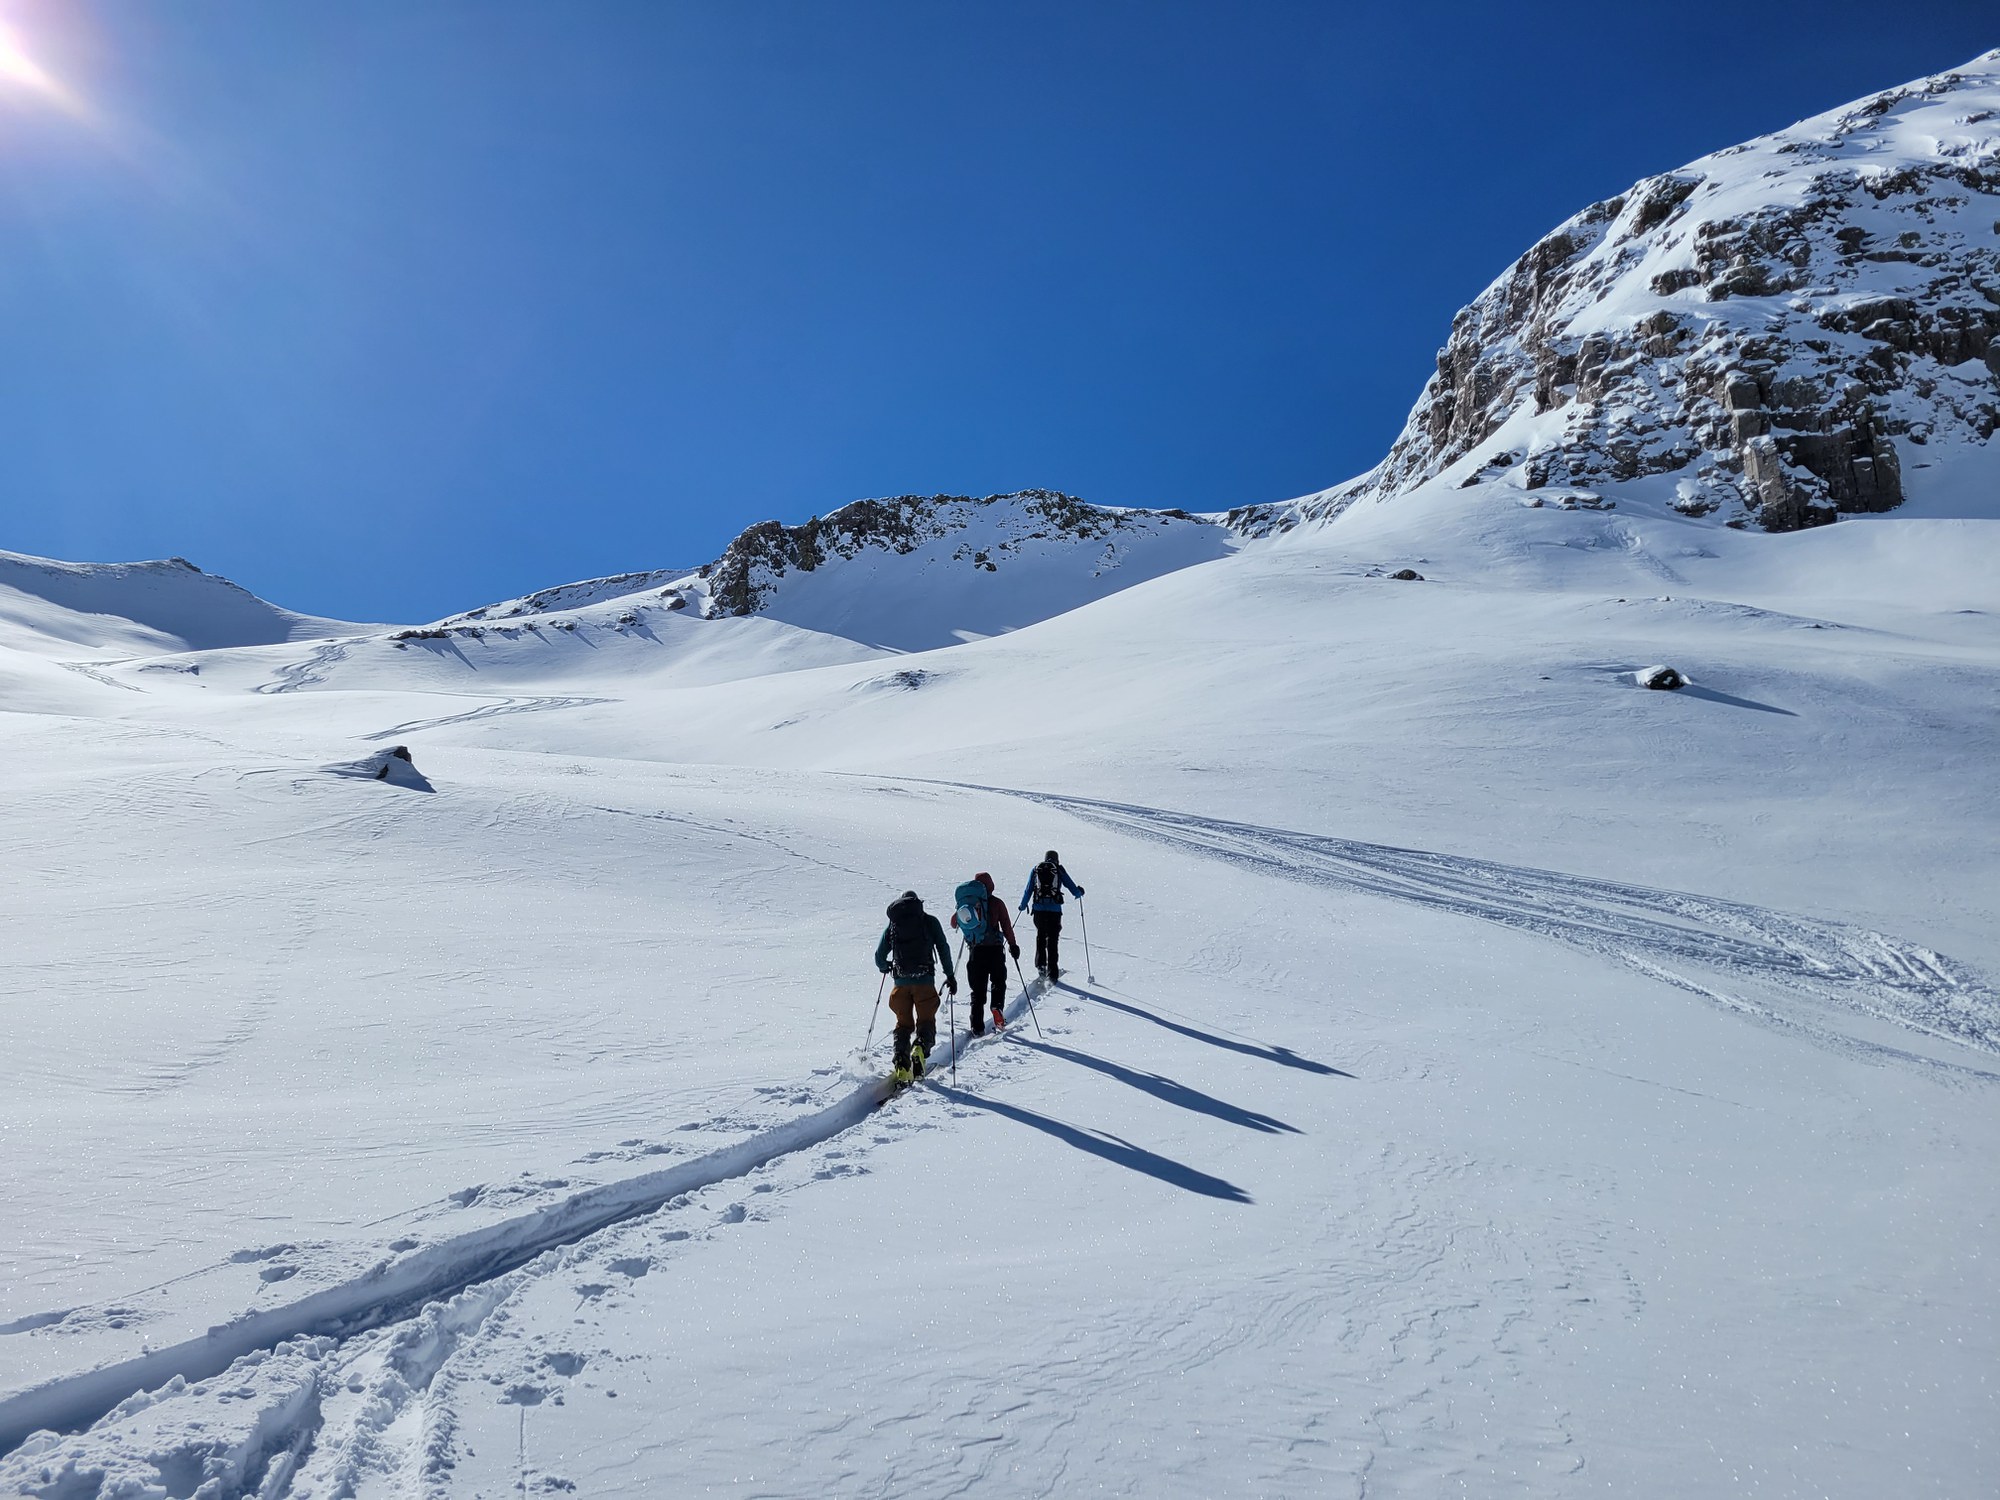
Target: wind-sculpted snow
column 1835, row 968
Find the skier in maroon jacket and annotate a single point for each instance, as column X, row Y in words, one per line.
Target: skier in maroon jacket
column 985, row 963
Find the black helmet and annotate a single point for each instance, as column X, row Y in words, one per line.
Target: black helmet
column 1052, row 858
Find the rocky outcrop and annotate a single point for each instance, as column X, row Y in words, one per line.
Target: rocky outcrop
column 1779, row 326
column 991, row 528
column 1064, row 550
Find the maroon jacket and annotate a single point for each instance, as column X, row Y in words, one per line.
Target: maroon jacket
column 996, row 911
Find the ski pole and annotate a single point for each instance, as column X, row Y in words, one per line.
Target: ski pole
column 951, row 1014
column 875, row 1012
column 1030, row 994
column 1088, row 967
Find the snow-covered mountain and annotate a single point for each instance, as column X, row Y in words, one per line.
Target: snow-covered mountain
column 1802, row 326
column 1476, row 1073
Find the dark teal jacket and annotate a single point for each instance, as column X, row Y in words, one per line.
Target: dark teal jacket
column 929, row 975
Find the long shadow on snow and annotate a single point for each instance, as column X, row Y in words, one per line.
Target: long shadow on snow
column 1284, row 1056
column 1110, row 1147
column 1692, row 690
column 1174, row 1092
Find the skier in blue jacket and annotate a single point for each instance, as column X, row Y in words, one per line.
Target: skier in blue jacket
column 1044, row 889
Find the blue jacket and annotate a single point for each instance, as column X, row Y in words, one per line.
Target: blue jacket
column 1054, row 903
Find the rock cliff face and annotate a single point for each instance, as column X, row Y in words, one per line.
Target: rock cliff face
column 1783, row 327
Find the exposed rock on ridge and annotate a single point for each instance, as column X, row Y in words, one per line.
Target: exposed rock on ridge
column 1780, row 325
column 741, row 580
column 989, row 529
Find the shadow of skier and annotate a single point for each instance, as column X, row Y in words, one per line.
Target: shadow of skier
column 1110, row 1147
column 1173, row 1091
column 1284, row 1056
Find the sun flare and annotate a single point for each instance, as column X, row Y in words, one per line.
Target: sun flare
column 21, row 74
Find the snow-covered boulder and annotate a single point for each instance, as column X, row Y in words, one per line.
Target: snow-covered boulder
column 1661, row 679
column 392, row 765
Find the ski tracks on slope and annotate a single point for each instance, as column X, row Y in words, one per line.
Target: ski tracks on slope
column 294, row 676
column 1815, row 978
column 491, row 710
column 349, row 1386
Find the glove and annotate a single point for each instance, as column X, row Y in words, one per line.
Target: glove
column 951, row 984
column 1079, row 893
column 885, row 968
column 1015, row 949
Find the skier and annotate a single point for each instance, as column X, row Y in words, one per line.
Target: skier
column 905, row 951
column 988, row 929
column 1044, row 888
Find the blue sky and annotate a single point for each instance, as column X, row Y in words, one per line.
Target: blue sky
column 391, row 308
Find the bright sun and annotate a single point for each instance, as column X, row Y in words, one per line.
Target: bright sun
column 21, row 73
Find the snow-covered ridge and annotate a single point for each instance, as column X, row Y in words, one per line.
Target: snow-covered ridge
column 568, row 596
column 1788, row 327
column 170, row 605
column 910, row 572
column 987, row 531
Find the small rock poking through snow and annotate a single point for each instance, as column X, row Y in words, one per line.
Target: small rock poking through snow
column 1665, row 679
column 392, row 765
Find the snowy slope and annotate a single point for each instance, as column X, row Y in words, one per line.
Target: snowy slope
column 1401, row 1144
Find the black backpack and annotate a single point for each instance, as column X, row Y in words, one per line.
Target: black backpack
column 909, row 937
column 1047, row 887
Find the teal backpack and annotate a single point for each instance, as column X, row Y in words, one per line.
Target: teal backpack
column 971, row 899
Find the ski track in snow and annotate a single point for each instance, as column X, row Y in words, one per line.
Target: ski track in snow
column 85, row 669
column 303, row 674
column 1834, row 968
column 520, row 705
column 415, row 1307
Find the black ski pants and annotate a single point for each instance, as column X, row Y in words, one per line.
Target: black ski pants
column 1048, row 933
column 986, row 971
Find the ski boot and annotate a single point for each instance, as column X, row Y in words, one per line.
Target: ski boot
column 999, row 1019
column 916, row 1063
